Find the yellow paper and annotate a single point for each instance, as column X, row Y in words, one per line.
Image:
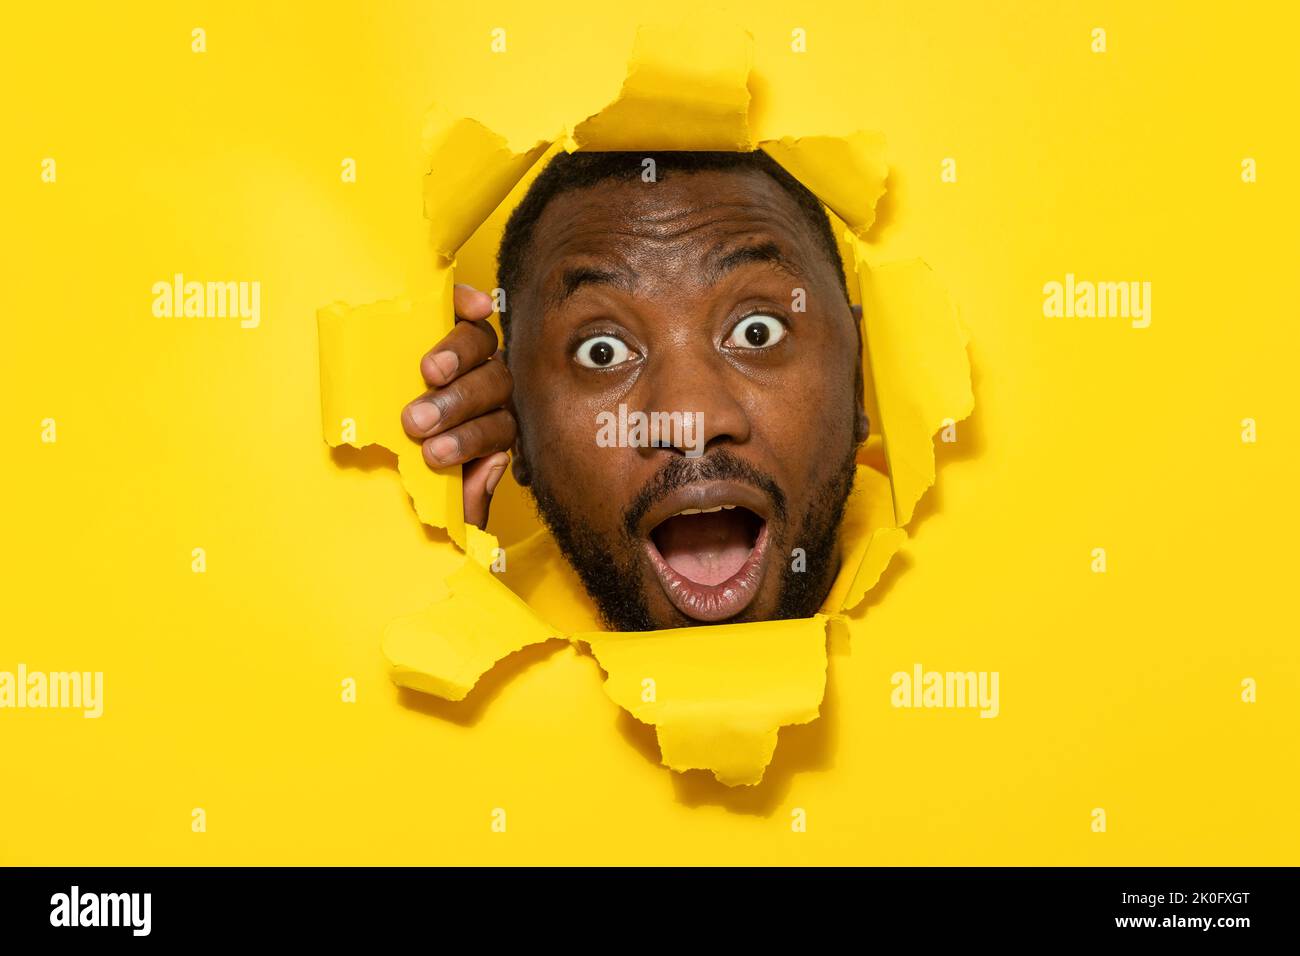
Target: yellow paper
column 444, row 649
column 686, row 89
column 917, row 350
column 846, row 173
column 868, row 540
column 1118, row 692
column 471, row 169
column 369, row 358
column 718, row 695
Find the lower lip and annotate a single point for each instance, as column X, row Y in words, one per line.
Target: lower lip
column 716, row 602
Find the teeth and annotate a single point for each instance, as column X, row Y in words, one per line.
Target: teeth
column 705, row 511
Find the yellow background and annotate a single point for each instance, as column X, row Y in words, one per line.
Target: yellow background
column 222, row 690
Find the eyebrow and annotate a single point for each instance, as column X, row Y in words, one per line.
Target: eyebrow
column 762, row 252
column 576, row 277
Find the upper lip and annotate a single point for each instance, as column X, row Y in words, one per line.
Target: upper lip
column 701, row 495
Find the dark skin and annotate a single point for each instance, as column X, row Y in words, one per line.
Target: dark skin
column 648, row 294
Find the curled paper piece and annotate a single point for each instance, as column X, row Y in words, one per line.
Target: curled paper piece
column 718, row 695
column 471, row 169
column 846, row 173
column 916, row 347
column 868, row 539
column 721, row 692
column 477, row 621
column 369, row 361
column 685, row 90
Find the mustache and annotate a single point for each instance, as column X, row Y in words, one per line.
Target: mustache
column 719, row 465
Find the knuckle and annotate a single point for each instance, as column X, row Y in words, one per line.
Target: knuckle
column 450, row 399
column 470, row 438
column 508, row 427
column 503, row 382
column 503, row 430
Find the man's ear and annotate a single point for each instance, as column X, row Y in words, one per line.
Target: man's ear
column 519, row 466
column 518, row 460
column 861, row 424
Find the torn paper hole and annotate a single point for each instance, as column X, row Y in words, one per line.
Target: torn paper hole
column 721, row 693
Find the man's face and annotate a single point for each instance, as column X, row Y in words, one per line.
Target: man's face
column 683, row 296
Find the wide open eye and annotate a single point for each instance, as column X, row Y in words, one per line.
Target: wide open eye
column 602, row 351
column 756, row 332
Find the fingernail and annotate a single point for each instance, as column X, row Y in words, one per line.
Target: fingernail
column 446, row 363
column 495, row 475
column 424, row 415
column 444, row 448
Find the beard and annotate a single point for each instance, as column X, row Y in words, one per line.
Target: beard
column 610, row 568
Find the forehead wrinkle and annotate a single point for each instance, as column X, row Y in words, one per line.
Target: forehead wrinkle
column 753, row 221
column 655, row 216
column 760, row 240
column 610, row 250
column 663, row 221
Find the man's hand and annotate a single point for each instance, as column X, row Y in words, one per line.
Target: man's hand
column 462, row 419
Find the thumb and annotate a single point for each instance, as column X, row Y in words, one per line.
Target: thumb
column 479, row 479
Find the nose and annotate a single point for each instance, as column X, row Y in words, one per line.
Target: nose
column 693, row 385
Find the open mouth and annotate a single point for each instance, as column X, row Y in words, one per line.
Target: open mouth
column 710, row 554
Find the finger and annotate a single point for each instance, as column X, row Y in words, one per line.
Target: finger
column 476, row 438
column 476, row 393
column 470, row 303
column 479, row 482
column 461, row 350
column 465, row 347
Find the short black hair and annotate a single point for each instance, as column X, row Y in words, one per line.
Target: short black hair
column 570, row 171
